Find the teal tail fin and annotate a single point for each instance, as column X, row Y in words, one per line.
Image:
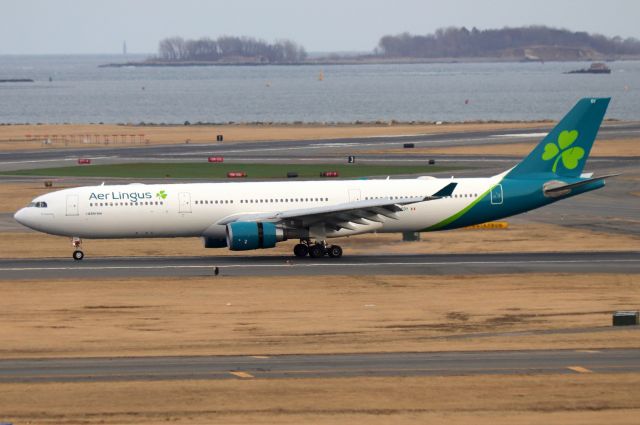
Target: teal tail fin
column 564, row 151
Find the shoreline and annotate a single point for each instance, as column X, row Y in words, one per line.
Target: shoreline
column 361, row 61
column 304, row 124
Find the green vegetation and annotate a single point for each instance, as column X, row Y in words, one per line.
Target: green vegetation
column 220, row 170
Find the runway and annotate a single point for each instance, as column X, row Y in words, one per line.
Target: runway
column 326, row 150
column 421, row 264
column 321, row 365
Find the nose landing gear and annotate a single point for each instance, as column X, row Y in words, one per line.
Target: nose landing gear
column 77, row 245
column 317, row 249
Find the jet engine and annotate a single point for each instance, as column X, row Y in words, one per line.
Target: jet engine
column 246, row 235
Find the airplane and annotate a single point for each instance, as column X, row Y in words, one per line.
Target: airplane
column 257, row 215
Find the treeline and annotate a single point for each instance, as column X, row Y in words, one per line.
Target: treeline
column 461, row 42
column 177, row 49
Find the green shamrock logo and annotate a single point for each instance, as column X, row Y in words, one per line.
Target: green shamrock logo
column 161, row 195
column 570, row 155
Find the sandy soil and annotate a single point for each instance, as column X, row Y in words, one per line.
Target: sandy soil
column 16, row 137
column 538, row 399
column 321, row 314
column 624, row 147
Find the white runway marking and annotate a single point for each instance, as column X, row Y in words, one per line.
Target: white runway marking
column 418, row 263
column 324, row 145
column 523, row 135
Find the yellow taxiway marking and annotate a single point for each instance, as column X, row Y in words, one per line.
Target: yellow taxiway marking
column 579, row 369
column 243, row 375
column 260, row 357
column 588, row 351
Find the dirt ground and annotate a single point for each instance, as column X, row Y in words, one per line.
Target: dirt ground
column 15, row 137
column 322, row 314
column 522, row 399
column 624, row 148
column 233, row 315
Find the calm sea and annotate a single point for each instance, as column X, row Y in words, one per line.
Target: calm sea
column 80, row 91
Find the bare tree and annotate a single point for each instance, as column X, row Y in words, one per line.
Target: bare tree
column 225, row 47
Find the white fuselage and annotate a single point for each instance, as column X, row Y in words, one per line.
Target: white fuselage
column 194, row 209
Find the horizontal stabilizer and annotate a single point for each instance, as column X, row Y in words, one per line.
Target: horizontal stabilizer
column 565, row 187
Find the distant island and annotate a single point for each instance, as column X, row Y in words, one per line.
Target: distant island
column 533, row 43
column 226, row 50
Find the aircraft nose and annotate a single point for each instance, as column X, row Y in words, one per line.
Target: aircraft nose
column 19, row 216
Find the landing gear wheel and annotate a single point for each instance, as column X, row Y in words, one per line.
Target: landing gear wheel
column 301, row 250
column 335, row 251
column 78, row 255
column 316, row 251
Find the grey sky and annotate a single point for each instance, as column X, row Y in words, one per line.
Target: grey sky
column 90, row 26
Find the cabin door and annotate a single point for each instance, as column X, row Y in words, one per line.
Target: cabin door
column 354, row 195
column 185, row 202
column 496, row 195
column 72, row 204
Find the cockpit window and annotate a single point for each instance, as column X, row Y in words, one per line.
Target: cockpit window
column 37, row 204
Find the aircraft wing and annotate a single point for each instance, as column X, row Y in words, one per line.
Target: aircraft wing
column 340, row 215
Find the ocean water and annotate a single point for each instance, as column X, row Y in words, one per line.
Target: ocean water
column 82, row 92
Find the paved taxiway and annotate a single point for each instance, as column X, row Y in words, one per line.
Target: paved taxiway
column 320, row 365
column 427, row 264
column 328, row 150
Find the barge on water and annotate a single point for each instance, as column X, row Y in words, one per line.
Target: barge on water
column 595, row 68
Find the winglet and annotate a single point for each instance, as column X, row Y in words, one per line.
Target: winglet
column 445, row 191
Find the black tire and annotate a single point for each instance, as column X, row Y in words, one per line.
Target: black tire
column 316, row 251
column 78, row 255
column 301, row 250
column 335, row 251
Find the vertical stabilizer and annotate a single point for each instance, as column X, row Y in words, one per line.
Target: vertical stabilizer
column 564, row 151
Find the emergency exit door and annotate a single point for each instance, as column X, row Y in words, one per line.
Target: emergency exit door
column 185, row 202
column 72, row 205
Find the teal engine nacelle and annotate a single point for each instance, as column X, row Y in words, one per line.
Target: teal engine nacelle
column 245, row 235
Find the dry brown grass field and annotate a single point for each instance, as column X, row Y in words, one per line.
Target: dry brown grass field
column 15, row 137
column 591, row 399
column 317, row 314
column 312, row 314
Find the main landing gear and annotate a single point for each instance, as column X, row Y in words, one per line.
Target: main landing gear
column 77, row 245
column 316, row 250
